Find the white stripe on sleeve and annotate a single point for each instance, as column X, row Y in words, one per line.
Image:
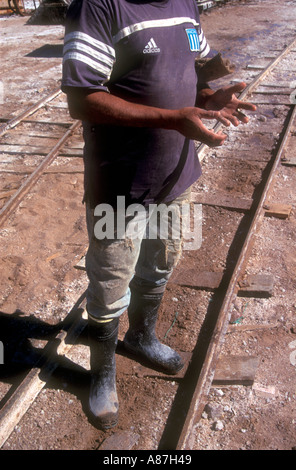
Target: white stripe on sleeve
column 106, row 71
column 83, row 48
column 78, row 35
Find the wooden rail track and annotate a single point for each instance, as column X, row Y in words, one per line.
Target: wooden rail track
column 204, row 373
column 208, row 371
column 50, row 150
column 198, row 378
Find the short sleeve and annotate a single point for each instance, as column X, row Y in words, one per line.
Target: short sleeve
column 204, row 46
column 88, row 55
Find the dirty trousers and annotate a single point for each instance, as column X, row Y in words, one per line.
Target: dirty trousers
column 141, row 254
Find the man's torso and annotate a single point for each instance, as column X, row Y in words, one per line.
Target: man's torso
column 155, row 45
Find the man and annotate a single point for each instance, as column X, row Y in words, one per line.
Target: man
column 129, row 74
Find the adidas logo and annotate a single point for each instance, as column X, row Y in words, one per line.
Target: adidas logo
column 151, row 47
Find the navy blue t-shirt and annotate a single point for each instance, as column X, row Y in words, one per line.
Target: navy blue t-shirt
column 144, row 52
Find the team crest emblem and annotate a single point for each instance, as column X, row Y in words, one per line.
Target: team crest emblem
column 193, row 39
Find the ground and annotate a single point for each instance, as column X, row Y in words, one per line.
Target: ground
column 46, row 236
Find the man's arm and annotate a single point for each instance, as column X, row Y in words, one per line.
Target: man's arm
column 100, row 107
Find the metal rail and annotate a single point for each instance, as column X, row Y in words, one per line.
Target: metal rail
column 32, row 109
column 206, row 375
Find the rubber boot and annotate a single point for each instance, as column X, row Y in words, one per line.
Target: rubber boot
column 140, row 338
column 103, row 401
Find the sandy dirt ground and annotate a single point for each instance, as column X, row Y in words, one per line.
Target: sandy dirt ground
column 46, row 236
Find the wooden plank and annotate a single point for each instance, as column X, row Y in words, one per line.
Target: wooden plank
column 236, row 328
column 222, row 200
column 194, row 278
column 291, row 161
column 32, row 139
column 27, row 149
column 60, row 170
column 81, row 263
column 253, row 285
column 256, row 285
column 31, row 150
column 232, row 153
column 120, row 440
column 281, row 211
column 235, row 370
column 271, row 92
column 21, row 170
column 275, row 101
column 255, row 67
column 5, row 194
column 36, row 121
column 27, row 138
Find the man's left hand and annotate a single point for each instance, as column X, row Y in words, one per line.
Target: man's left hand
column 225, row 101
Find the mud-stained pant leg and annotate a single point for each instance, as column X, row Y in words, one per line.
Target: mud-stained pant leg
column 110, row 265
column 158, row 257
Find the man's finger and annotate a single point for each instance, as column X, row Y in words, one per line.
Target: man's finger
column 246, row 105
column 242, row 117
column 217, row 139
column 236, row 88
column 203, row 114
column 211, row 138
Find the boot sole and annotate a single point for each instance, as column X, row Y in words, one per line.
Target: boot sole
column 104, row 424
